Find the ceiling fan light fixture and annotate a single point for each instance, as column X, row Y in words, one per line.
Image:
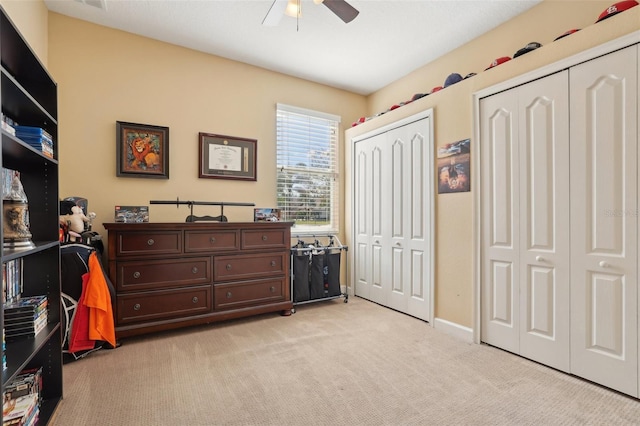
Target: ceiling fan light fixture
column 294, row 9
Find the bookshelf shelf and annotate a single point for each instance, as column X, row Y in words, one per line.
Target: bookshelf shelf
column 29, row 98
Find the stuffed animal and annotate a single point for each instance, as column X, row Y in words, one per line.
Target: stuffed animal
column 75, row 222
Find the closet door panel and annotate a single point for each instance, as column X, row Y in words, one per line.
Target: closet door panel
column 400, row 183
column 544, row 220
column 363, row 210
column 500, row 209
column 604, row 278
column 380, row 217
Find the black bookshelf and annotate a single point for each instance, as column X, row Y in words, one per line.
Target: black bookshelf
column 29, row 97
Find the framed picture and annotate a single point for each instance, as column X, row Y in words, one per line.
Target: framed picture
column 453, row 167
column 227, row 157
column 142, row 150
column 266, row 215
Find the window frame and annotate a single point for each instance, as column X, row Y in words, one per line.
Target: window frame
column 330, row 174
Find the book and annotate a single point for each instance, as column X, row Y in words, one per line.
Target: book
column 26, row 304
column 20, row 408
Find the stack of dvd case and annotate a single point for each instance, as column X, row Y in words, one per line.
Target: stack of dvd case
column 37, row 138
column 22, row 398
column 25, row 317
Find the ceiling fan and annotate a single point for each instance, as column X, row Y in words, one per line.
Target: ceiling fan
column 341, row 8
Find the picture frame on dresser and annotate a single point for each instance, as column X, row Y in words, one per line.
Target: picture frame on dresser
column 142, row 150
column 226, row 157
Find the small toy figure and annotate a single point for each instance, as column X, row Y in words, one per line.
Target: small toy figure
column 76, row 223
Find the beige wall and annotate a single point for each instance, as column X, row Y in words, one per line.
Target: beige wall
column 106, row 75
column 31, row 17
column 453, row 120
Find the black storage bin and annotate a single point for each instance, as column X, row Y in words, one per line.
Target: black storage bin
column 316, row 279
column 301, row 277
column 332, row 276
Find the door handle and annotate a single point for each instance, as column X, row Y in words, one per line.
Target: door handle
column 604, row 264
column 540, row 259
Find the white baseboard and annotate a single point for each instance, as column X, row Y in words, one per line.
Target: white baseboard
column 457, row 330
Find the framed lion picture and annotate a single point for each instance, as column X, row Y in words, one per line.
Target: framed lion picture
column 142, row 150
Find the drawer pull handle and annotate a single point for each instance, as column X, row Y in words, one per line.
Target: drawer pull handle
column 136, row 307
column 194, row 269
column 150, row 242
column 273, row 289
column 264, row 238
column 213, row 240
column 229, row 295
column 136, row 274
column 273, row 263
column 228, row 266
column 194, row 300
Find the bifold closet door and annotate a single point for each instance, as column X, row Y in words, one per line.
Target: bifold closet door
column 371, row 209
column 410, row 216
column 604, row 220
column 525, row 220
column 393, row 193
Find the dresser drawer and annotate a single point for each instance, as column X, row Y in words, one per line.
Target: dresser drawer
column 162, row 304
column 208, row 241
column 228, row 296
column 264, row 238
column 155, row 274
column 249, row 266
column 145, row 243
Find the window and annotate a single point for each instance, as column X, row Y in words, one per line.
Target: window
column 308, row 181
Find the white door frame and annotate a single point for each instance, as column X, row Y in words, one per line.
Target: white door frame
column 603, row 49
column 428, row 113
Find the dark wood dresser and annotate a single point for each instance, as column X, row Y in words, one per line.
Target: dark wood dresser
column 170, row 275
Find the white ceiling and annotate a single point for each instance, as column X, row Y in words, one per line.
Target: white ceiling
column 387, row 40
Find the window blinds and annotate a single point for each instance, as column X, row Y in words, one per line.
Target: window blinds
column 307, row 175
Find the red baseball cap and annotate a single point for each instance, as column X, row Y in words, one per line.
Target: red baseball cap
column 435, row 89
column 616, row 8
column 498, row 61
column 566, row 33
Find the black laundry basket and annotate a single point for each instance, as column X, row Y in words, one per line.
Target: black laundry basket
column 300, row 266
column 316, row 271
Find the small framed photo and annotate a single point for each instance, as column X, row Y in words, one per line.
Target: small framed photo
column 132, row 214
column 227, row 157
column 266, row 215
column 142, row 150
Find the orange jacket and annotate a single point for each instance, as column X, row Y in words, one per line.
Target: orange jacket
column 98, row 300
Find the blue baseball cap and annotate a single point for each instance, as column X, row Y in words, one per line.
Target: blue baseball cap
column 452, row 79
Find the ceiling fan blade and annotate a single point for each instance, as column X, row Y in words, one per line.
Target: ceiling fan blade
column 275, row 13
column 344, row 10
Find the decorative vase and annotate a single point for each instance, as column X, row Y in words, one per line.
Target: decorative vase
column 15, row 226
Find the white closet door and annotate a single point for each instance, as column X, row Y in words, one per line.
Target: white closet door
column 411, row 186
column 604, row 194
column 393, row 196
column 499, row 150
column 525, row 225
column 371, row 207
column 543, row 135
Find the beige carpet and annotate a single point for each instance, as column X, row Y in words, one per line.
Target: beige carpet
column 330, row 363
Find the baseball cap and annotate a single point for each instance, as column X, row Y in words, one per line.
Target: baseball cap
column 498, row 61
column 417, row 96
column 528, row 48
column 566, row 33
column 452, row 79
column 436, row 89
column 616, row 8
